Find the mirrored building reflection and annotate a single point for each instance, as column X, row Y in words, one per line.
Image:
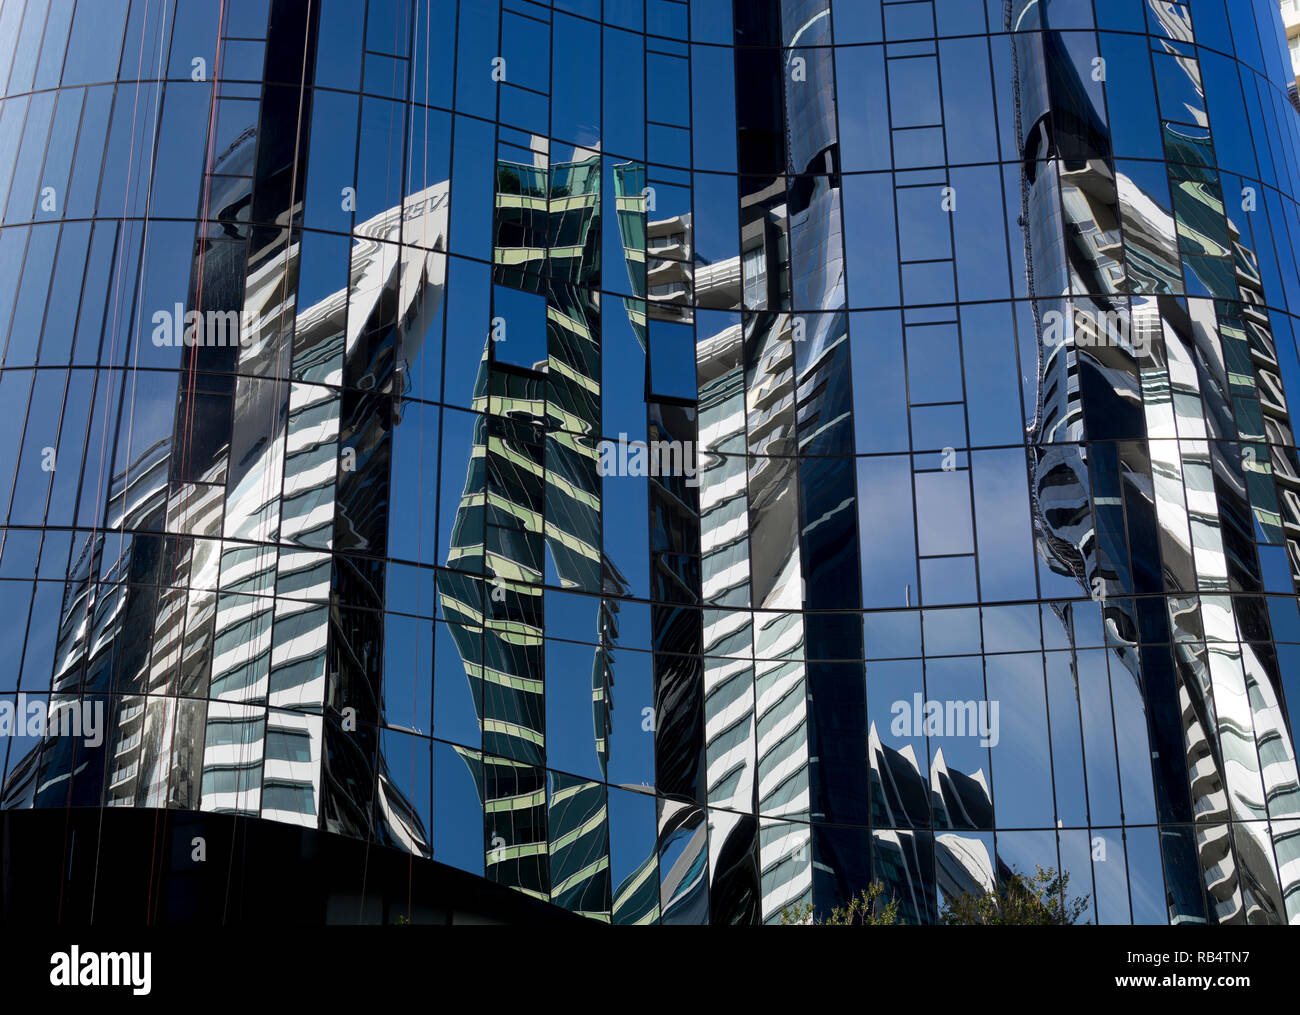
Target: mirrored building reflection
column 723, row 456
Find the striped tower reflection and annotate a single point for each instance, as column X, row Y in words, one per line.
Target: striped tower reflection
column 1214, row 480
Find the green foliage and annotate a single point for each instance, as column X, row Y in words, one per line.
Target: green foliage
column 863, row 910
column 1040, row 900
column 508, row 181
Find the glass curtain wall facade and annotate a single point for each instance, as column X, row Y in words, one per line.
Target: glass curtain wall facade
column 679, row 461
